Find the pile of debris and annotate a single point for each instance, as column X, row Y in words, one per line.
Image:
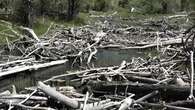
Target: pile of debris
column 60, row 42
column 82, row 43
column 141, row 84
column 161, row 82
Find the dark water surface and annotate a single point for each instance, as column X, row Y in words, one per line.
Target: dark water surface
column 105, row 57
column 111, row 57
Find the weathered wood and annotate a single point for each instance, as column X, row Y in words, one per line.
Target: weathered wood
column 142, row 79
column 176, row 16
column 23, row 96
column 31, row 32
column 163, row 43
column 160, row 106
column 101, row 105
column 126, row 103
column 15, row 70
column 80, row 72
column 17, row 61
column 20, row 97
column 58, row 96
column 90, row 56
column 191, row 96
column 21, row 106
column 182, row 103
column 146, row 96
column 5, row 93
column 28, row 97
column 132, row 87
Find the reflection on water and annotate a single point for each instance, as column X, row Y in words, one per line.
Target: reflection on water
column 30, row 78
column 113, row 57
column 105, row 57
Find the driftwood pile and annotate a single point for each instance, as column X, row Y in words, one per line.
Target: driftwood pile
column 141, row 84
column 80, row 44
column 161, row 82
column 60, row 42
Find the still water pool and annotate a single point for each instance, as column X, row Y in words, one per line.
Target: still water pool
column 105, row 57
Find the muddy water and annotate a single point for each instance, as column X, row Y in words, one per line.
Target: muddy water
column 105, row 57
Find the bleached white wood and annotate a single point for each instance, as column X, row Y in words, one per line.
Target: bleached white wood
column 17, row 69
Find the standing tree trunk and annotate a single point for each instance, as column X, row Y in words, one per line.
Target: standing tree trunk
column 28, row 20
column 23, row 12
column 185, row 5
column 73, row 9
column 182, row 3
column 164, row 6
column 42, row 7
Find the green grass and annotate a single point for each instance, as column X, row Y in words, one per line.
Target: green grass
column 42, row 23
column 41, row 26
column 123, row 12
column 6, row 33
column 2, row 38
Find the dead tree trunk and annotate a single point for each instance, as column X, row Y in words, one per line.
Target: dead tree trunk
column 28, row 20
column 24, row 13
column 184, row 5
column 73, row 9
column 164, row 6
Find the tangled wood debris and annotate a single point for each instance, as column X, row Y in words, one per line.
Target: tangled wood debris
column 139, row 84
column 163, row 81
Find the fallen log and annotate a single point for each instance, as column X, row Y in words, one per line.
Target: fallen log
column 126, row 103
column 176, row 16
column 58, row 96
column 163, row 43
column 80, row 72
column 21, row 106
column 133, row 87
column 31, row 67
column 142, row 79
column 16, row 99
column 182, row 103
column 17, row 61
column 31, row 32
column 161, row 106
column 23, row 96
column 5, row 93
column 146, row 96
column 128, row 72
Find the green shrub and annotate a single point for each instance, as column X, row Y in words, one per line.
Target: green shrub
column 86, row 5
column 101, row 5
column 123, row 3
